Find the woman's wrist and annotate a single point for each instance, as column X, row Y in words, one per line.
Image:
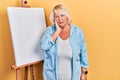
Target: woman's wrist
column 58, row 31
column 84, row 70
column 55, row 35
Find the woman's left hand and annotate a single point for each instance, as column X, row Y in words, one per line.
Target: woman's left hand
column 83, row 76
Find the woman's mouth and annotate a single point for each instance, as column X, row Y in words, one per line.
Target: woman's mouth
column 60, row 22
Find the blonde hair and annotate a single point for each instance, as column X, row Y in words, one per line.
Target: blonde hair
column 60, row 8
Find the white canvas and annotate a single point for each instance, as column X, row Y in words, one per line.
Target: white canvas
column 27, row 26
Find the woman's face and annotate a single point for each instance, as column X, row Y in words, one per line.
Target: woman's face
column 61, row 19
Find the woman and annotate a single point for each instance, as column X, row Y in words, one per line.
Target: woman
column 65, row 48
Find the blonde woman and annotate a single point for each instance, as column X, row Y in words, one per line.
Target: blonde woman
column 65, row 48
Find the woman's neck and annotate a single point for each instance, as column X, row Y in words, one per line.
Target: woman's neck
column 65, row 29
column 65, row 33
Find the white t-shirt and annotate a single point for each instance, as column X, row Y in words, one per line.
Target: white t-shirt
column 64, row 59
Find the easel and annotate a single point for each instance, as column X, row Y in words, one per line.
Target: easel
column 26, row 66
column 17, row 68
column 24, row 3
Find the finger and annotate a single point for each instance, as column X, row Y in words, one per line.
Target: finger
column 56, row 23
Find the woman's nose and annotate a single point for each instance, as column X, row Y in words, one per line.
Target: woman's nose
column 59, row 18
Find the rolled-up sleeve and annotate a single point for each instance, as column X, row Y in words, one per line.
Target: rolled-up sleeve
column 46, row 41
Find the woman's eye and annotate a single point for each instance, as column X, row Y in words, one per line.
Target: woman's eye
column 56, row 16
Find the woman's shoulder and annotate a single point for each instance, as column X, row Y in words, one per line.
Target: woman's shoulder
column 76, row 28
column 78, row 31
column 50, row 29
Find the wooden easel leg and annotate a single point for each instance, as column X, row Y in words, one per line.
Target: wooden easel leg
column 32, row 73
column 26, row 73
column 18, row 74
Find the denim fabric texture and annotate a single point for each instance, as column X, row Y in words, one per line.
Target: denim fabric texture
column 79, row 53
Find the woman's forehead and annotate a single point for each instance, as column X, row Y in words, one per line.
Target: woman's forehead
column 60, row 12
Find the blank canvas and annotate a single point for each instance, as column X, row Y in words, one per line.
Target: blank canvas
column 27, row 26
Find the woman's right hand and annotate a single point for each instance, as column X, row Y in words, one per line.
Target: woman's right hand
column 57, row 32
column 58, row 29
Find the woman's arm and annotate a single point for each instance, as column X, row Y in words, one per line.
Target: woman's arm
column 49, row 37
column 83, row 58
column 46, row 41
column 57, row 32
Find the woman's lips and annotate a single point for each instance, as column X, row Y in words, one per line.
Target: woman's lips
column 60, row 22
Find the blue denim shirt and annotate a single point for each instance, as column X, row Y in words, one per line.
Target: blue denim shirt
column 79, row 53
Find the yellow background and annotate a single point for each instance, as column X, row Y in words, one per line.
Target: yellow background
column 100, row 21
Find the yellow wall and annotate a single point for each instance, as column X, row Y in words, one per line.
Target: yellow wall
column 100, row 21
